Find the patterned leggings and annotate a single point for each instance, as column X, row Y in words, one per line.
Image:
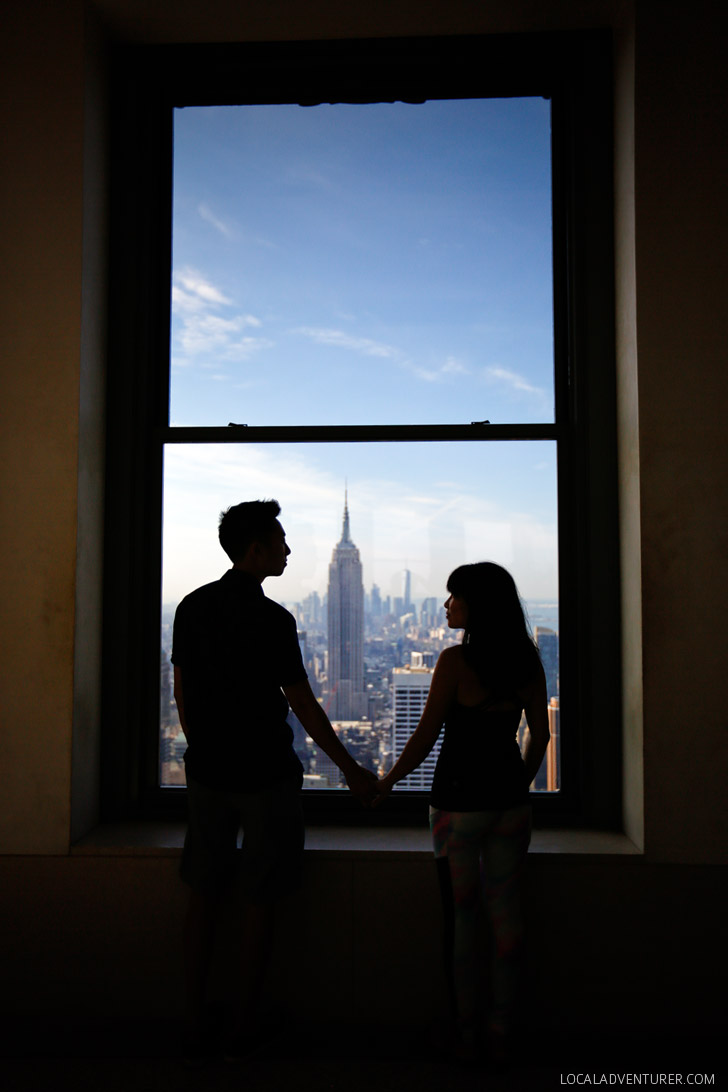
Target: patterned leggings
column 480, row 854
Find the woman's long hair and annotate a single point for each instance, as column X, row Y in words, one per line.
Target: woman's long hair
column 497, row 644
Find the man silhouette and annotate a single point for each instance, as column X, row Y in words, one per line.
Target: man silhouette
column 237, row 670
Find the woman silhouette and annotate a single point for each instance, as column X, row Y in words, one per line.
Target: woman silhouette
column 479, row 810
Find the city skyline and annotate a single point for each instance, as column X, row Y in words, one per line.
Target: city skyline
column 371, row 670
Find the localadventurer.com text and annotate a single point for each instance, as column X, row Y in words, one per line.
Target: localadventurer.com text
column 648, row 1079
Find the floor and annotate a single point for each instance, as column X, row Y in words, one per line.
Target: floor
column 365, row 1059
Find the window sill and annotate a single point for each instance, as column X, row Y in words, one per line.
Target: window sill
column 166, row 839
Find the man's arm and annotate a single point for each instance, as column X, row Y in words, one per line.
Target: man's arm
column 313, row 718
column 179, row 697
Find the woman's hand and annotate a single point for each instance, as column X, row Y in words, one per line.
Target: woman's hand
column 382, row 789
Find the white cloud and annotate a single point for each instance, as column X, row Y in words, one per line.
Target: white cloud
column 367, row 347
column 454, row 367
column 208, row 215
column 342, row 340
column 206, row 332
column 427, row 375
column 394, row 520
column 451, row 367
column 245, row 347
column 194, row 291
column 512, row 381
column 202, row 329
column 303, row 175
column 215, row 335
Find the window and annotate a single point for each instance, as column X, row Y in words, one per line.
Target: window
column 388, row 400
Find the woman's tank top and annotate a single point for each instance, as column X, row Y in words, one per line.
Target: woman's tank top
column 480, row 766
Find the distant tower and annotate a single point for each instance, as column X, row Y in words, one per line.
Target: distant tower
column 548, row 648
column 347, row 700
column 548, row 778
column 407, row 590
column 429, row 612
column 553, row 751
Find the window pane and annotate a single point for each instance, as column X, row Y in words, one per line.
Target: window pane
column 351, row 264
column 366, row 582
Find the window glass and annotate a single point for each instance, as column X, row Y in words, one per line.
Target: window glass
column 362, row 264
column 412, row 511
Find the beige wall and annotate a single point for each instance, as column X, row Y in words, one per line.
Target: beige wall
column 671, row 332
column 681, row 161
column 40, row 331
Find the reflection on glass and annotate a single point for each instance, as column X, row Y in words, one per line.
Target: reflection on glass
column 362, row 264
column 397, row 518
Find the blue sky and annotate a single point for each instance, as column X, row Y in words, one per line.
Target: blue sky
column 365, row 264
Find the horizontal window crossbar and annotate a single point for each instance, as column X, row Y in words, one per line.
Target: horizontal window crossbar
column 261, row 434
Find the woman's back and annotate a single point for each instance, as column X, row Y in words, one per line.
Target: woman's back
column 480, row 766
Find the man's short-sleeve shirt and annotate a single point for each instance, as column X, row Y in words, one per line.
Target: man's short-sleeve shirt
column 236, row 649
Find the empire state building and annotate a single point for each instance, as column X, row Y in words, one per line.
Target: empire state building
column 347, row 700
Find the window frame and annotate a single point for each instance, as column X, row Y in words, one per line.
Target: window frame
column 574, row 71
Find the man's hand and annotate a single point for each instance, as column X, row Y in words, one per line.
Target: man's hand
column 363, row 783
column 313, row 718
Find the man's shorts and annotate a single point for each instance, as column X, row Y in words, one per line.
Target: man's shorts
column 268, row 865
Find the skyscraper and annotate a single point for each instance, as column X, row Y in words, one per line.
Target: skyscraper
column 410, row 687
column 347, row 700
column 548, row 648
column 549, row 776
column 553, row 754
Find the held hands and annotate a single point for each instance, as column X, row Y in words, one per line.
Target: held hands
column 367, row 787
column 363, row 783
column 384, row 787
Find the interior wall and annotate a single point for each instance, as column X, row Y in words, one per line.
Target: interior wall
column 41, row 210
column 98, row 939
column 681, row 162
column 85, row 783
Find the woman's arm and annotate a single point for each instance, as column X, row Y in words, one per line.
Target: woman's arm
column 442, row 693
column 536, row 709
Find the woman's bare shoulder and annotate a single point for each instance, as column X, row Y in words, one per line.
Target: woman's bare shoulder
column 451, row 656
column 451, row 663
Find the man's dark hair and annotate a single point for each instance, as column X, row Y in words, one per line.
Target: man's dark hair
column 246, row 523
